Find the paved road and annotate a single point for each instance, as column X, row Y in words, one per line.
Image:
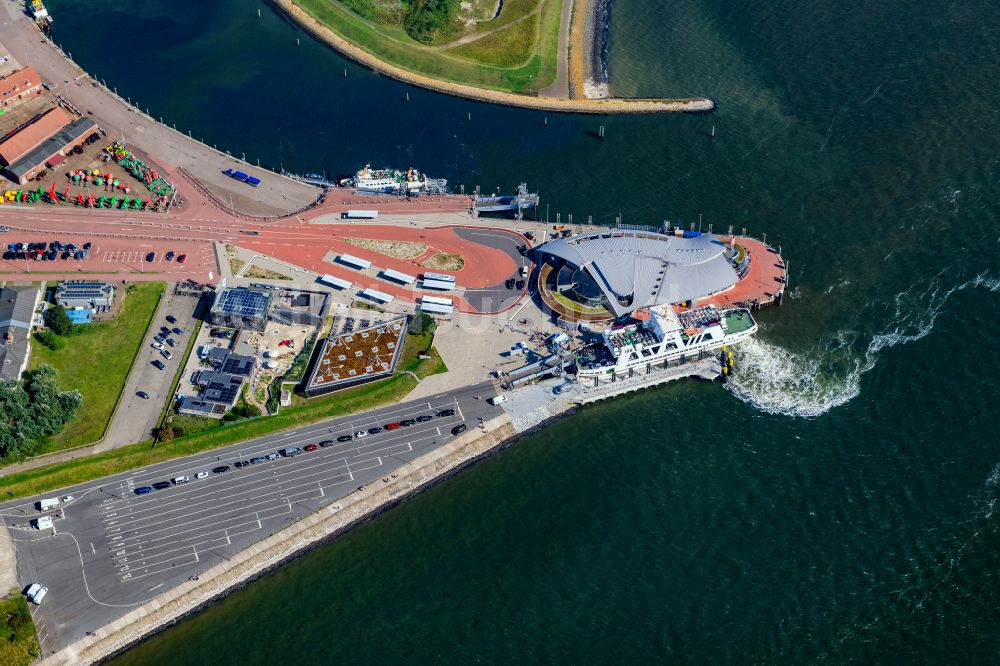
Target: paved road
column 113, row 549
column 136, row 417
column 496, row 298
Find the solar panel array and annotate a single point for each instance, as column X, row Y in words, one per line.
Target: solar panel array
column 243, row 302
column 224, row 392
column 237, row 366
column 85, row 290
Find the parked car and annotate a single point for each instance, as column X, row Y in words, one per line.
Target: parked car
column 311, row 447
column 177, row 331
column 161, row 485
column 143, row 490
column 201, row 475
column 344, row 438
column 150, row 256
column 164, row 330
column 87, row 246
column 169, row 255
column 166, row 354
column 291, row 451
column 406, row 423
column 171, row 319
column 460, row 428
column 4, row 230
column 65, row 255
column 183, row 478
column 220, row 469
column 156, row 345
column 446, row 412
column 273, row 456
column 424, row 418
column 171, row 342
column 326, row 442
column 142, row 394
column 181, row 258
column 241, row 463
column 391, row 426
column 159, row 364
column 36, row 593
column 159, row 338
column 361, row 433
column 257, row 459
column 375, row 430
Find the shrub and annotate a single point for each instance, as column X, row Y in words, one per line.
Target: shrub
column 50, row 339
column 58, row 321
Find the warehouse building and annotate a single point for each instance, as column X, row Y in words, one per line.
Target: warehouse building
column 51, row 151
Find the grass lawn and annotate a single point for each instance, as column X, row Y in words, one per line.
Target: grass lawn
column 486, row 66
column 96, row 363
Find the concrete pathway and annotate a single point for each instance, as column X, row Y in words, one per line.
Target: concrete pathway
column 560, row 87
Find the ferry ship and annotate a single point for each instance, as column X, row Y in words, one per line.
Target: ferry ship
column 39, row 13
column 658, row 337
column 393, row 181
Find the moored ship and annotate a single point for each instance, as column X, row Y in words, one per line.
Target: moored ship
column 392, row 181
column 659, row 337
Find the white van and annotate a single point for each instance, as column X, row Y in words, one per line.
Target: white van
column 36, row 593
column 181, row 479
column 497, row 399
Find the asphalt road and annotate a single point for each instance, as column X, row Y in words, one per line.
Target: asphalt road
column 136, row 417
column 496, row 298
column 113, row 549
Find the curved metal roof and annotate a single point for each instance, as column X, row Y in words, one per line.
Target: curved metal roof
column 640, row 268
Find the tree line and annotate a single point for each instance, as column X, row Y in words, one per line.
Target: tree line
column 31, row 410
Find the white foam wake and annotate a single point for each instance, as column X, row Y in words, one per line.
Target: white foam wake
column 807, row 384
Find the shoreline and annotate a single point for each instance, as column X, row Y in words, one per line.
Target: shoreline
column 259, row 559
column 607, row 105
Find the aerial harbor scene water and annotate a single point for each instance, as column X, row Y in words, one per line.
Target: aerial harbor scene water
column 542, row 331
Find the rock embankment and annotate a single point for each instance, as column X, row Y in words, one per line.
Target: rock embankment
column 582, row 105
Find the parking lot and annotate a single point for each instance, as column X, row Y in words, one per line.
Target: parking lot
column 112, row 548
column 136, row 417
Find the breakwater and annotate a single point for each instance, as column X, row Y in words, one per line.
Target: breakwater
column 584, row 105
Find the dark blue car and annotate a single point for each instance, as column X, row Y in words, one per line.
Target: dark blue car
column 143, row 490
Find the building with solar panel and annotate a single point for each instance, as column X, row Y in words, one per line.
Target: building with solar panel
column 240, row 307
column 220, row 387
column 87, row 294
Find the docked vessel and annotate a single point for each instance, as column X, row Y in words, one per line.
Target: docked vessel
column 392, row 181
column 659, row 337
column 39, row 13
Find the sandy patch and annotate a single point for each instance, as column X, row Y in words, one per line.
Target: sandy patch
column 394, row 249
column 444, row 261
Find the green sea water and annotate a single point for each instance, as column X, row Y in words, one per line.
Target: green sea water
column 837, row 502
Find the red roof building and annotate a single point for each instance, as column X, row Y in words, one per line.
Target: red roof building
column 22, row 141
column 17, row 86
